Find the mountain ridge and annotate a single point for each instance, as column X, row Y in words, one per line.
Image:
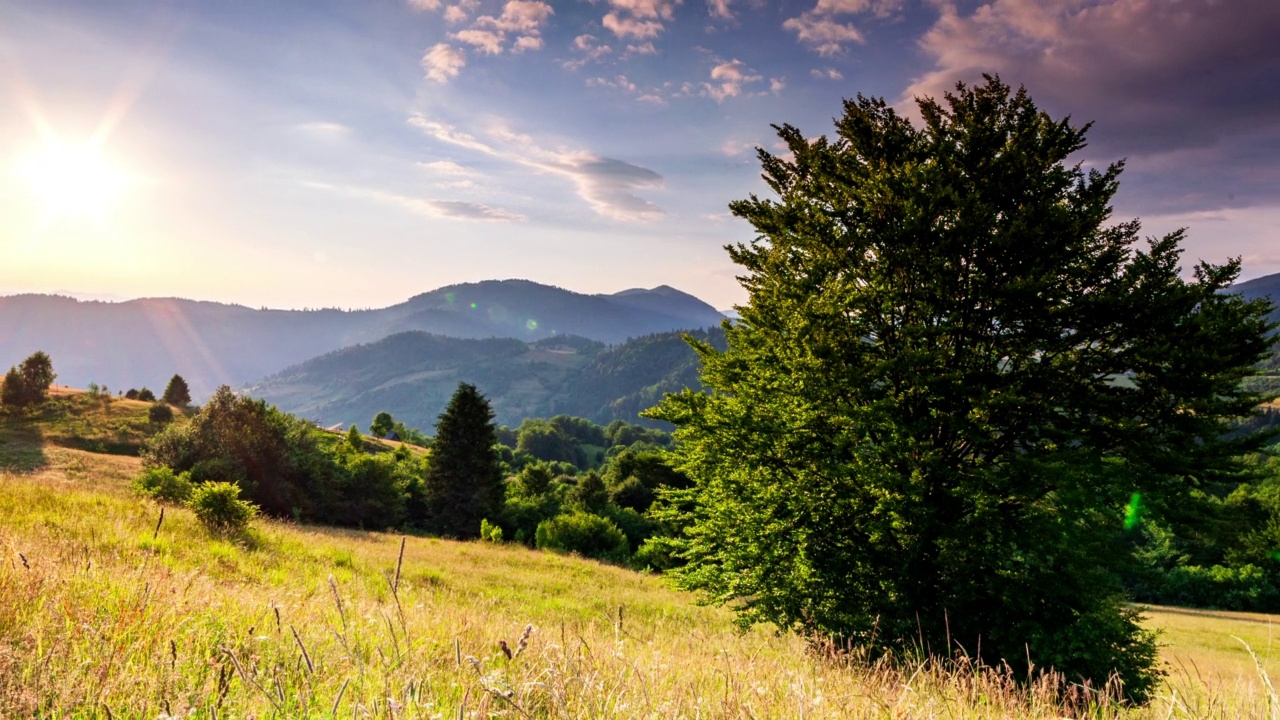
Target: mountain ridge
column 144, row 341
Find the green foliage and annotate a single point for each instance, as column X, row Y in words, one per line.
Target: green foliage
column 177, row 392
column 217, row 505
column 382, row 424
column 589, row 494
column 28, row 383
column 146, row 395
column 585, row 534
column 546, row 441
column 355, row 440
column 464, row 479
column 490, row 532
column 160, row 413
column 163, row 484
column 949, row 381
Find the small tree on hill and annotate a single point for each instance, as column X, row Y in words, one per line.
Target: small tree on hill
column 951, row 377
column 28, row 383
column 177, row 392
column 383, row 424
column 464, row 479
column 146, row 395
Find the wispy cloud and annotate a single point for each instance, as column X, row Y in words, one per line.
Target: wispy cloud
column 448, row 209
column 827, row 73
column 323, row 129
column 609, row 186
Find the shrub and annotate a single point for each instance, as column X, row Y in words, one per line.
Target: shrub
column 159, row 413
column 490, row 532
column 218, row 507
column 146, row 395
column 162, row 484
column 583, row 533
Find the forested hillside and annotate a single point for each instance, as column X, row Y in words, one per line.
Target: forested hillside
column 412, row 375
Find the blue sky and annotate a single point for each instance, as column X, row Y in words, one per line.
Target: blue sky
column 309, row 154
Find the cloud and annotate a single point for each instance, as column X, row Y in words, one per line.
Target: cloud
column 443, row 62
column 638, row 19
column 424, row 4
column 324, row 129
column 591, row 50
column 484, row 40
column 728, row 79
column 445, row 167
column 609, row 186
column 625, row 27
column 519, row 27
column 827, row 73
column 719, row 9
column 447, row 209
column 644, row 48
column 821, row 30
column 620, row 82
column 777, row 85
column 1186, row 90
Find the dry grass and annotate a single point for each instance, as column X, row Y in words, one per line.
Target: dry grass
column 103, row 616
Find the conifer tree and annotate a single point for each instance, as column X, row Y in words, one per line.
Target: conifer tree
column 177, row 392
column 464, row 479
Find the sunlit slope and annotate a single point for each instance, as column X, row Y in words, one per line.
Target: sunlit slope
column 107, row 611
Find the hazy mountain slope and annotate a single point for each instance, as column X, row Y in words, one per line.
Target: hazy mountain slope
column 144, row 342
column 412, row 375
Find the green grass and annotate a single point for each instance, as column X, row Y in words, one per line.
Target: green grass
column 102, row 615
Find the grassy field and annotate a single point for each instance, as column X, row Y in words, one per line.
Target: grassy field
column 108, row 612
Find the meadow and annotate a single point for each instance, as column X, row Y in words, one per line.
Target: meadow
column 112, row 606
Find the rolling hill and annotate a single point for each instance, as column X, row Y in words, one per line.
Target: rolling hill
column 412, row 375
column 144, row 342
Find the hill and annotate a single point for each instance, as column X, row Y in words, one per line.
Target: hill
column 108, row 609
column 144, row 342
column 412, row 375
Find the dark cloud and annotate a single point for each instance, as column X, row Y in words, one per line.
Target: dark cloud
column 1187, row 90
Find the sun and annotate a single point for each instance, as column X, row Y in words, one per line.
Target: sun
column 73, row 180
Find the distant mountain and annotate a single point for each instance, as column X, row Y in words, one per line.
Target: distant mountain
column 1267, row 286
column 412, row 375
column 144, row 342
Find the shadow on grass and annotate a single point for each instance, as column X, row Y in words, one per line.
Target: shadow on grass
column 21, row 444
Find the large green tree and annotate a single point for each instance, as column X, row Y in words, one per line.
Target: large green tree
column 464, row 480
column 951, row 376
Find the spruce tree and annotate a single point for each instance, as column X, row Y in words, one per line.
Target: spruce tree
column 464, row 479
column 177, row 392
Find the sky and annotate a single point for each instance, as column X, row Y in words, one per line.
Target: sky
column 354, row 154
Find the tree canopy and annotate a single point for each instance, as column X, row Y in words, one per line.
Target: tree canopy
column 28, row 383
column 952, row 376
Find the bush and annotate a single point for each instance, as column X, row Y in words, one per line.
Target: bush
column 162, row 484
column 218, row 507
column 146, row 395
column 160, row 414
column 490, row 532
column 583, row 533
